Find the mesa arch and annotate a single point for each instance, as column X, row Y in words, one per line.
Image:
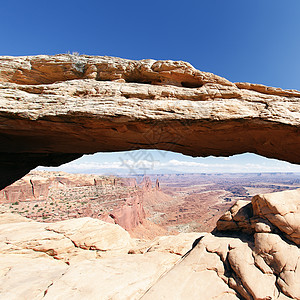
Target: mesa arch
column 53, row 109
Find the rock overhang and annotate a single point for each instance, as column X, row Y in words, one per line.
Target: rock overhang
column 54, row 109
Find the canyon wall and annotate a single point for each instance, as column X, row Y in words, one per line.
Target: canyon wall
column 37, row 184
column 63, row 196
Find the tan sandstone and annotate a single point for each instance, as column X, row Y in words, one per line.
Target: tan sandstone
column 53, row 109
column 56, row 108
column 282, row 209
column 79, row 258
column 250, row 258
column 88, row 257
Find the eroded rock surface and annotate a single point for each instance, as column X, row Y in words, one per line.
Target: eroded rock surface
column 282, row 210
column 77, row 258
column 48, row 196
column 53, row 109
column 273, row 212
column 56, row 108
column 254, row 259
column 249, row 258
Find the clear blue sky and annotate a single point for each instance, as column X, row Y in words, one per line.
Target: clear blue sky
column 256, row 41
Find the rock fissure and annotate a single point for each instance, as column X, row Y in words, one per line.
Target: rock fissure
column 32, row 187
column 53, row 282
column 66, row 236
column 46, row 290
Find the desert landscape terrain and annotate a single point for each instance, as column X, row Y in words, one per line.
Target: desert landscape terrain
column 244, row 257
column 91, row 236
column 146, row 206
column 198, row 200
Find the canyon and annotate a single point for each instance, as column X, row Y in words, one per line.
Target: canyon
column 56, row 196
column 175, row 203
column 199, row 200
column 54, row 109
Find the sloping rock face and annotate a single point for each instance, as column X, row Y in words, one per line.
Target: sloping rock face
column 53, row 109
column 89, row 258
column 254, row 255
column 80, row 259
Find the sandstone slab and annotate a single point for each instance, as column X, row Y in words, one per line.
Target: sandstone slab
column 28, row 277
column 59, row 260
column 64, row 240
column 178, row 244
column 124, row 277
column 282, row 209
column 88, row 233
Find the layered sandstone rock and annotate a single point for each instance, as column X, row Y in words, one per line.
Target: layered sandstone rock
column 109, row 198
column 53, row 109
column 282, row 210
column 131, row 214
column 56, row 108
column 64, row 239
column 37, row 184
column 178, row 244
column 79, row 258
column 274, row 212
column 249, row 259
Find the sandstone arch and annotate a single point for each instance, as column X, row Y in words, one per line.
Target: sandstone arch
column 53, row 109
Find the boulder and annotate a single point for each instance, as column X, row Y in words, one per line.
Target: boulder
column 88, row 233
column 281, row 209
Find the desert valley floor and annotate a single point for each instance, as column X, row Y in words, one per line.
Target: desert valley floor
column 146, row 206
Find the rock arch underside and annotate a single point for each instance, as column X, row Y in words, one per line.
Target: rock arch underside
column 54, row 109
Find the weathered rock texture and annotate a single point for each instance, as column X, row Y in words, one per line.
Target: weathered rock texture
column 53, row 109
column 109, row 198
column 258, row 258
column 80, row 259
column 274, row 212
column 249, row 259
column 37, row 184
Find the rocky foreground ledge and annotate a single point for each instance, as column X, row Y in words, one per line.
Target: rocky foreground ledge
column 81, row 258
column 53, row 109
column 253, row 254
